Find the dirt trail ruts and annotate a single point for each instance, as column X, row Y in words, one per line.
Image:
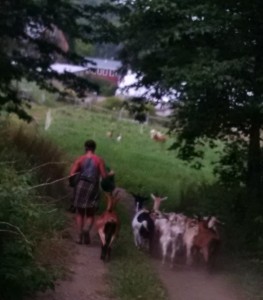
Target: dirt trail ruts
column 88, row 274
column 187, row 284
column 182, row 283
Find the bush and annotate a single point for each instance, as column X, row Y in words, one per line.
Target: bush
column 112, row 103
column 106, row 88
column 26, row 221
column 38, row 152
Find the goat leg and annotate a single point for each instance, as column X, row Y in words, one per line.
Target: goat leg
column 189, row 260
column 173, row 254
column 102, row 236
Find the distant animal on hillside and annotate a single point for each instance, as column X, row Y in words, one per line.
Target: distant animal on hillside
column 119, row 138
column 109, row 134
column 157, row 136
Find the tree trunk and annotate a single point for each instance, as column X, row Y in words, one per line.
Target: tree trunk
column 254, row 170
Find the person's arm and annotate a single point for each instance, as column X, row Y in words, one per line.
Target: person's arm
column 75, row 167
column 102, row 169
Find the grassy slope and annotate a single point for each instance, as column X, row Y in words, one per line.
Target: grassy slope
column 140, row 163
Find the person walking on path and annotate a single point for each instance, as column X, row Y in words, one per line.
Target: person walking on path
column 91, row 168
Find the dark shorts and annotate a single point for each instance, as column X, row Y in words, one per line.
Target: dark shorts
column 87, row 194
column 88, row 212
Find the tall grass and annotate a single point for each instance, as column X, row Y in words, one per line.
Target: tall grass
column 29, row 218
column 41, row 157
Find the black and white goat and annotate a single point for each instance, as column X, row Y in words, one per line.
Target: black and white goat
column 142, row 225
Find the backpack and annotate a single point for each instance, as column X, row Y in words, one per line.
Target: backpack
column 89, row 170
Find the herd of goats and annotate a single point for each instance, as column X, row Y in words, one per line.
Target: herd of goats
column 172, row 234
column 198, row 238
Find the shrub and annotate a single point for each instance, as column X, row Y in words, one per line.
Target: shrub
column 26, row 221
column 106, row 88
column 112, row 103
column 38, row 151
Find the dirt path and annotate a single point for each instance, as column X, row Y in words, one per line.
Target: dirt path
column 183, row 284
column 88, row 277
column 187, row 284
column 88, row 274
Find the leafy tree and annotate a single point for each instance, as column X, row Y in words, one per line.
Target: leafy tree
column 210, row 53
column 32, row 38
column 138, row 108
column 83, row 48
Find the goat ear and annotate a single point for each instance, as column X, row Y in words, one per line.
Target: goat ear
column 153, row 197
column 164, row 198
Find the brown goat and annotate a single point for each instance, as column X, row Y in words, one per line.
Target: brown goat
column 207, row 242
column 160, row 138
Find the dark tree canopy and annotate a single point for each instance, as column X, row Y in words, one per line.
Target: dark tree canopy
column 33, row 35
column 210, row 52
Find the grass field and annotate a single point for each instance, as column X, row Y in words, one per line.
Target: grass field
column 140, row 164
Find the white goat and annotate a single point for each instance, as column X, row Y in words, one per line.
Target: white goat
column 171, row 229
column 191, row 230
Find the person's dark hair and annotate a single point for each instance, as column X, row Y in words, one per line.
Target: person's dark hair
column 90, row 145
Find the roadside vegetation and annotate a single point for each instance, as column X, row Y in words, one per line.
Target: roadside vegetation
column 31, row 245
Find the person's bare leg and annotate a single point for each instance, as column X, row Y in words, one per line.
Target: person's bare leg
column 88, row 223
column 79, row 223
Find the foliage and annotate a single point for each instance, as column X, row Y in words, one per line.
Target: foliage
column 138, row 108
column 28, row 216
column 208, row 54
column 24, row 222
column 45, row 159
column 83, row 49
column 113, row 103
column 105, row 87
column 34, row 94
column 32, row 35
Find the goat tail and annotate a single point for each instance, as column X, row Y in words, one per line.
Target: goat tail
column 145, row 224
column 109, row 230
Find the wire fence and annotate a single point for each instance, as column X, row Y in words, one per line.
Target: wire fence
column 123, row 115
